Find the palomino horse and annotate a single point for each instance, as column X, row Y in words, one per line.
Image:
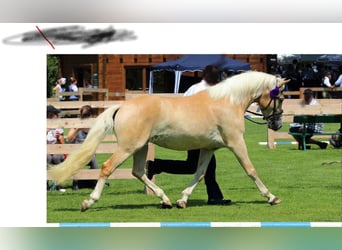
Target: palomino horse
column 208, row 120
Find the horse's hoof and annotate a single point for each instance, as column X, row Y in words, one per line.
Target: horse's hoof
column 181, row 204
column 84, row 206
column 166, row 205
column 275, row 201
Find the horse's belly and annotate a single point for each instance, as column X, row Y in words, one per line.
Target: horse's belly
column 186, row 142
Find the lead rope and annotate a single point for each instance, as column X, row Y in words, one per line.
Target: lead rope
column 257, row 114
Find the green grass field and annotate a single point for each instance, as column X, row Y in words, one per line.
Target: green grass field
column 310, row 192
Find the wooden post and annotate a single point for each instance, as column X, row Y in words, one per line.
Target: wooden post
column 80, row 91
column 270, row 139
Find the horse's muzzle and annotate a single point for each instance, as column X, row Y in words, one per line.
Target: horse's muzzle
column 275, row 124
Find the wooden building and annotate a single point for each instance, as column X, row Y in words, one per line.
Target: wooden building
column 122, row 72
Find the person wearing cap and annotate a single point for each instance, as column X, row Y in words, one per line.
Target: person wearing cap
column 54, row 136
column 310, row 127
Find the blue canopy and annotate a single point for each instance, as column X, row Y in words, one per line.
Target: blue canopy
column 196, row 63
column 330, row 58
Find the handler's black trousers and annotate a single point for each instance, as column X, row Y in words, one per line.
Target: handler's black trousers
column 189, row 166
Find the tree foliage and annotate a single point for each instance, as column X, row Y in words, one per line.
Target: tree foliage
column 52, row 73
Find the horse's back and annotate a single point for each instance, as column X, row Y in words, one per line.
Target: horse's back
column 173, row 122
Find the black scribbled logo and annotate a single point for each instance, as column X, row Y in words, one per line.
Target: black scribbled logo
column 74, row 34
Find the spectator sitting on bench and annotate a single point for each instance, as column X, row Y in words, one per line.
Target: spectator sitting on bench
column 310, row 127
column 54, row 136
column 336, row 140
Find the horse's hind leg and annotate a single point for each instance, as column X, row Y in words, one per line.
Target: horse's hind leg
column 203, row 161
column 139, row 159
column 108, row 167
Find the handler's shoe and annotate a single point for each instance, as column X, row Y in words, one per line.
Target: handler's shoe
column 219, row 202
column 150, row 169
column 323, row 145
column 335, row 142
column 75, row 185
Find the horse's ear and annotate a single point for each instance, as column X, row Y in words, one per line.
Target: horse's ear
column 282, row 82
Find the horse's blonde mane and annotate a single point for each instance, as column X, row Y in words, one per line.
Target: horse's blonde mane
column 237, row 88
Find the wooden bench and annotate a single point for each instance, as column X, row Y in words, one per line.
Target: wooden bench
column 294, row 107
column 304, row 119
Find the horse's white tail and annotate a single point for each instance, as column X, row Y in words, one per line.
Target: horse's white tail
column 78, row 159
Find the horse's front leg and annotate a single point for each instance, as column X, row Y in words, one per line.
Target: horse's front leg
column 139, row 160
column 203, row 161
column 238, row 147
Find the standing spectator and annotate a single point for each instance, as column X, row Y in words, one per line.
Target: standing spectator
column 310, row 76
column 54, row 136
column 338, row 82
column 73, row 88
column 292, row 73
column 327, row 79
column 326, row 83
column 310, row 127
column 211, row 76
column 59, row 88
column 88, row 84
column 77, row 136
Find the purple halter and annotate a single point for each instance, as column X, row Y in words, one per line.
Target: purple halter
column 274, row 93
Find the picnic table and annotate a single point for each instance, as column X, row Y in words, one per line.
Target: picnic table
column 304, row 119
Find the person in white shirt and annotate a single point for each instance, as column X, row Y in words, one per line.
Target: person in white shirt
column 310, row 127
column 60, row 82
column 338, row 82
column 326, row 80
column 211, row 76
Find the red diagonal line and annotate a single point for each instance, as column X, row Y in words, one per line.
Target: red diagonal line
column 47, row 39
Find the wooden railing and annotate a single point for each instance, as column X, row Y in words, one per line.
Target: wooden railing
column 83, row 92
column 300, row 93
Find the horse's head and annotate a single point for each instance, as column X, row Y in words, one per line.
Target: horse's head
column 270, row 104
